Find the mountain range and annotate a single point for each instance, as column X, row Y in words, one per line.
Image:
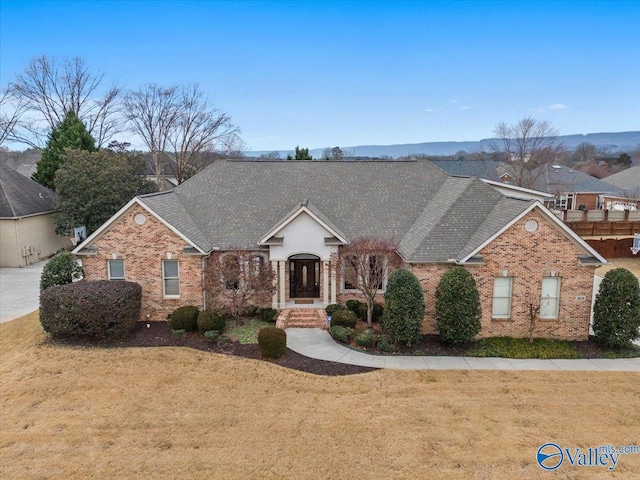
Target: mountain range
column 610, row 142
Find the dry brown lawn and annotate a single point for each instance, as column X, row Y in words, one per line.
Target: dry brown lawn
column 177, row 413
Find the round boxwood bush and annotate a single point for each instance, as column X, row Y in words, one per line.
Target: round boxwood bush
column 404, row 307
column 342, row 334
column 344, row 318
column 208, row 320
column 616, row 313
column 185, row 318
column 357, row 307
column 365, row 338
column 458, row 309
column 100, row 309
column 334, row 307
column 272, row 342
column 60, row 270
column 268, row 314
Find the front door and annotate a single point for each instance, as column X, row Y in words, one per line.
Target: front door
column 306, row 279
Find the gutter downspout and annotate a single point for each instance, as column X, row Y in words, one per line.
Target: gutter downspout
column 17, row 241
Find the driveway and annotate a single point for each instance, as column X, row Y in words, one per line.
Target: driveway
column 19, row 291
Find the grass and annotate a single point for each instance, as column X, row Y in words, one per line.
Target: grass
column 247, row 332
column 172, row 412
column 521, row 348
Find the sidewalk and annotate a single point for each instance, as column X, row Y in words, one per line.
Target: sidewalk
column 316, row 343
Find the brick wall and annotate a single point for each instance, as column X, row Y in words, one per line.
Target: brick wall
column 527, row 257
column 143, row 247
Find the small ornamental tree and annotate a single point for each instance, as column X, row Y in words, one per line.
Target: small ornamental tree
column 60, row 270
column 365, row 264
column 616, row 313
column 458, row 309
column 70, row 133
column 237, row 280
column 404, row 307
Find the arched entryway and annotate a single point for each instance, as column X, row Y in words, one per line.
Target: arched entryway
column 304, row 276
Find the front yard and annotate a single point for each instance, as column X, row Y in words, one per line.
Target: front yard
column 164, row 413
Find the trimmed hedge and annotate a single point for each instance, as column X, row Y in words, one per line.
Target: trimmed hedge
column 458, row 308
column 342, row 334
column 357, row 307
column 272, row 342
column 334, row 307
column 209, row 320
column 268, row 314
column 185, row 318
column 616, row 312
column 60, row 270
column 100, row 309
column 366, row 338
column 344, row 318
column 404, row 307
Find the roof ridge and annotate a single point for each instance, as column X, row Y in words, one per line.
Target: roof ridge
column 6, row 197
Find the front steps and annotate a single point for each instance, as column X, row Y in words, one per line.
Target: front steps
column 302, row 318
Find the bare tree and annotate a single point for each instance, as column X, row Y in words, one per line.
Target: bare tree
column 237, row 279
column 585, row 152
column 152, row 114
column 526, row 147
column 50, row 89
column 365, row 263
column 199, row 129
column 10, row 113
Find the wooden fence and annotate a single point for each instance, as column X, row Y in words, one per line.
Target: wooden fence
column 612, row 248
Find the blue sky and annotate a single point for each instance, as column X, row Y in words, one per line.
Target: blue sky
column 320, row 74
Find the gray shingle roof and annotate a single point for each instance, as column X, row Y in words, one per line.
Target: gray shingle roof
column 626, row 179
column 434, row 217
column 547, row 178
column 20, row 196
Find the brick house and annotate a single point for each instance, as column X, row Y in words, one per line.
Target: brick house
column 296, row 215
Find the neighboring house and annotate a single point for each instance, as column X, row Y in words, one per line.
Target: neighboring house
column 297, row 215
column 27, row 223
column 572, row 189
column 627, row 182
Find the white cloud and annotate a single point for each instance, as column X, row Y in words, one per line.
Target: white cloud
column 453, row 101
column 430, row 110
column 465, row 107
column 558, row 106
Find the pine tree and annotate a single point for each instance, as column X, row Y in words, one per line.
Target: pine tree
column 70, row 133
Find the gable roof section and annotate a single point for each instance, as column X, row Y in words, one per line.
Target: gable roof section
column 588, row 250
column 311, row 210
column 22, row 197
column 84, row 249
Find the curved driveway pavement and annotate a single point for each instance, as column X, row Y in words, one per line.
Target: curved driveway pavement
column 19, row 291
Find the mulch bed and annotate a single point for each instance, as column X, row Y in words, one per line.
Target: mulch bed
column 159, row 334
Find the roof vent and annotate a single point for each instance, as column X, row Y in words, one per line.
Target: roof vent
column 304, row 203
column 557, row 167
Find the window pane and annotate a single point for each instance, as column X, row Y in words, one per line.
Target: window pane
column 501, row 297
column 170, row 268
column 172, row 286
column 501, row 307
column 550, row 287
column 550, row 297
column 116, row 269
column 502, row 287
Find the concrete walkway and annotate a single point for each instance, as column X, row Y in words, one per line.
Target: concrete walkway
column 19, row 291
column 316, row 343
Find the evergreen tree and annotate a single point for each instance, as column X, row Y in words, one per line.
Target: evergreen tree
column 301, row 154
column 70, row 133
column 458, row 309
column 616, row 312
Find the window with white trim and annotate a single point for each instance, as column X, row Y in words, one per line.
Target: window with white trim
column 115, row 269
column 170, row 278
column 350, row 273
column 550, row 300
column 502, row 287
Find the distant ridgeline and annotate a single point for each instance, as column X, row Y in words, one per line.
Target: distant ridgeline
column 610, row 142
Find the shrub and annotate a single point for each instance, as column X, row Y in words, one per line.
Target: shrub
column 344, row 318
column 211, row 335
column 378, row 312
column 358, row 308
column 209, row 320
column 342, row 334
column 457, row 307
column 100, row 309
column 60, row 270
column 334, row 307
column 404, row 307
column 185, row 318
column 272, row 341
column 365, row 338
column 616, row 313
column 268, row 314
column 385, row 345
